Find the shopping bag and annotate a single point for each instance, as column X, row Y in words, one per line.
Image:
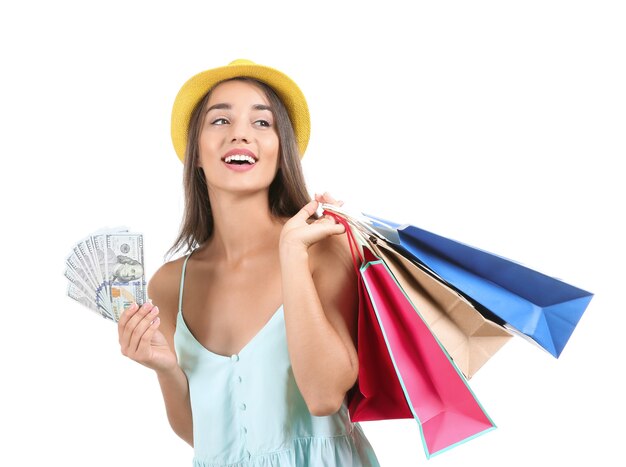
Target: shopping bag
column 469, row 337
column 403, row 369
column 537, row 306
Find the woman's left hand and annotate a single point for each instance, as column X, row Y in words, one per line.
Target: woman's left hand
column 299, row 234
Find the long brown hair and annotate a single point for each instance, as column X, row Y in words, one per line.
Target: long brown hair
column 287, row 192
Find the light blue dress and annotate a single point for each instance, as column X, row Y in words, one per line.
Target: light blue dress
column 248, row 411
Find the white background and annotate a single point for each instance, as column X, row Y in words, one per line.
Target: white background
column 500, row 124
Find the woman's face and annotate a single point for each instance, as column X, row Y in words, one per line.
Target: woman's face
column 238, row 145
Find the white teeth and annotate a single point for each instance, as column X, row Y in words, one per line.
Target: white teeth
column 240, row 157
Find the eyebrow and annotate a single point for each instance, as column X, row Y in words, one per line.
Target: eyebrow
column 228, row 107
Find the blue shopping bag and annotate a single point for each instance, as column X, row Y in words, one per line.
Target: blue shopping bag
column 540, row 307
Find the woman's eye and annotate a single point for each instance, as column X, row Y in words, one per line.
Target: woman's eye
column 263, row 123
column 219, row 121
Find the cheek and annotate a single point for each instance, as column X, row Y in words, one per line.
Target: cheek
column 272, row 144
column 204, row 141
column 206, row 145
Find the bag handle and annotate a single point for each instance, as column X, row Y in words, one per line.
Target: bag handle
column 361, row 222
column 354, row 248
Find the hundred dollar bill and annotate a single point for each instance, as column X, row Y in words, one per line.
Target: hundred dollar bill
column 105, row 271
column 78, row 276
column 97, row 259
column 124, row 270
column 85, row 289
column 104, row 256
column 82, row 266
column 77, row 294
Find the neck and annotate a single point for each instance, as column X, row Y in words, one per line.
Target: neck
column 242, row 226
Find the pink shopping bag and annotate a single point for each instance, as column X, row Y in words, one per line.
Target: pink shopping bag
column 404, row 371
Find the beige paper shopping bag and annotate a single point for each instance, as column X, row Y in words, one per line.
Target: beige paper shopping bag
column 469, row 338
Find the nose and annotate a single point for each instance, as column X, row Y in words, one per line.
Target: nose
column 240, row 132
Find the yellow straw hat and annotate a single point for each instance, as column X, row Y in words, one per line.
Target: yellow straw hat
column 192, row 92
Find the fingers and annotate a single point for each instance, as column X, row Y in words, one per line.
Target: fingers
column 133, row 324
column 325, row 226
column 311, row 207
column 126, row 315
column 307, row 210
column 330, row 221
column 130, row 318
column 334, row 218
column 136, row 337
column 146, row 338
column 327, row 198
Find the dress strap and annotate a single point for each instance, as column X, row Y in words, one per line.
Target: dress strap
column 182, row 284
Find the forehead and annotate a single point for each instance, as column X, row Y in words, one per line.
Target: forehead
column 238, row 93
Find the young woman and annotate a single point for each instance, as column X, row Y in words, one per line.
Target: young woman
column 252, row 333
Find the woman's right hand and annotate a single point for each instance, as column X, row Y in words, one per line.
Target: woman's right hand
column 141, row 340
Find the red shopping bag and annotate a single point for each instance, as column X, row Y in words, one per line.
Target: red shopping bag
column 404, row 372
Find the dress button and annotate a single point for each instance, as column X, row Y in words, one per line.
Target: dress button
column 242, row 406
column 249, row 454
column 244, row 429
column 235, row 358
column 239, row 378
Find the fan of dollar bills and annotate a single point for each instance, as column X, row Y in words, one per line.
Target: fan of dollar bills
column 106, row 271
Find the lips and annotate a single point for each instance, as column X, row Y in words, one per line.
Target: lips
column 240, row 160
column 240, row 156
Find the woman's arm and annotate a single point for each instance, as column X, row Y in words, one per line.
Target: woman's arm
column 147, row 336
column 320, row 302
column 177, row 404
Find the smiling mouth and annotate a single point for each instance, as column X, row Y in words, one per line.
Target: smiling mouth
column 240, row 159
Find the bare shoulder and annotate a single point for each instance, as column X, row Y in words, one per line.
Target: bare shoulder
column 332, row 256
column 164, row 283
column 163, row 289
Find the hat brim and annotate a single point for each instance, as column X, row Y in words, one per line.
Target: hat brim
column 192, row 92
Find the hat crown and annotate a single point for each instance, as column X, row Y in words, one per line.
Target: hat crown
column 241, row 61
